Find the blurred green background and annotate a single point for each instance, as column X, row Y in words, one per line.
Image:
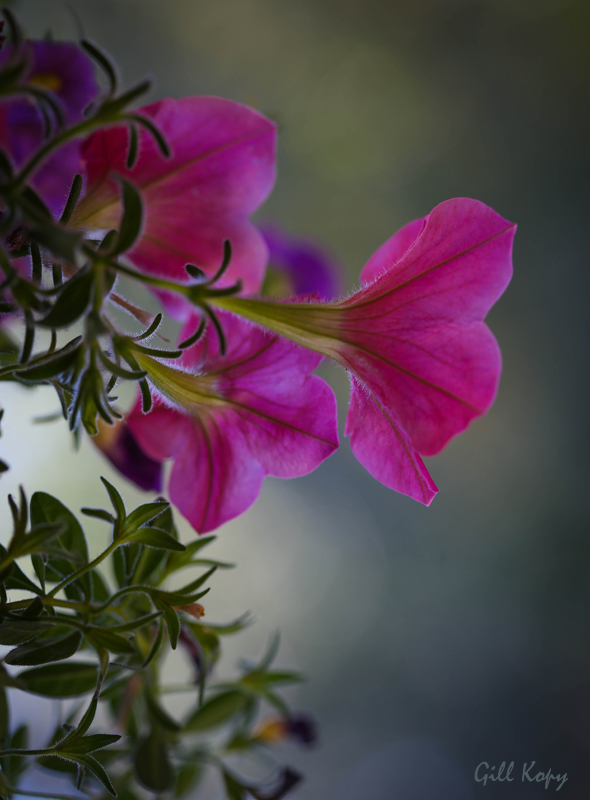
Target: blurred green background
column 437, row 638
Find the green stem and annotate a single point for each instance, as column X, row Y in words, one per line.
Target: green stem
column 83, row 570
column 49, row 601
column 121, row 593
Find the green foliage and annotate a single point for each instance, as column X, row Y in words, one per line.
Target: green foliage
column 120, row 631
column 77, row 633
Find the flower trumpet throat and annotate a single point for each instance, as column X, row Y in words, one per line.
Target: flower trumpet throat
column 317, row 326
column 185, row 390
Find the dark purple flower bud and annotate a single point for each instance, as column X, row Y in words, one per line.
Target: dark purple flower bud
column 65, row 71
column 298, row 267
column 120, row 446
column 288, row 780
column 302, row 728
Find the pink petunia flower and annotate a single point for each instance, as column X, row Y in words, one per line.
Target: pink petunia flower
column 221, row 170
column 228, row 421
column 422, row 362
column 65, row 70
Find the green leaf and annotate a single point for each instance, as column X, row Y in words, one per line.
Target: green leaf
column 131, row 220
column 100, row 591
column 187, row 778
column 33, row 610
column 177, row 561
column 116, row 500
column 72, row 301
column 93, row 766
column 104, row 639
column 226, row 630
column 257, row 679
column 135, row 624
column 155, row 645
column 234, row 789
column 172, row 623
column 89, row 744
column 47, row 509
column 16, row 764
column 34, row 653
column 18, row 631
column 39, row 567
column 141, row 516
column 154, row 537
column 17, row 578
column 152, row 766
column 8, row 680
column 4, row 719
column 71, row 679
column 216, row 711
column 54, row 364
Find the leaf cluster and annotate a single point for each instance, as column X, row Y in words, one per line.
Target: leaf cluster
column 86, row 630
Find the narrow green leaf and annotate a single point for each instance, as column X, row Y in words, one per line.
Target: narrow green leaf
column 72, row 200
column 152, row 765
column 71, row 679
column 142, row 515
column 172, row 623
column 47, row 509
column 188, row 777
column 104, row 63
column 234, row 789
column 155, row 645
column 93, row 766
column 216, row 711
column 17, row 632
column 131, row 220
column 53, row 365
column 154, row 537
column 34, row 653
column 72, row 301
column 104, row 639
column 8, row 680
column 89, row 744
column 33, row 610
column 116, row 500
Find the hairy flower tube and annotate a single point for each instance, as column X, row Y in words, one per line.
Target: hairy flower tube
column 64, row 70
column 228, row 421
column 221, row 170
column 422, row 362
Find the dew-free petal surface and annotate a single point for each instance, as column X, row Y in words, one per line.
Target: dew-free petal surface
column 383, row 447
column 221, row 170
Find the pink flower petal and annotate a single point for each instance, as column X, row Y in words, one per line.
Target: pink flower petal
column 415, row 336
column 390, row 253
column 383, row 447
column 222, row 169
column 271, row 417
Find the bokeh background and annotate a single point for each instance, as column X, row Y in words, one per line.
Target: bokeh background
column 434, row 639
